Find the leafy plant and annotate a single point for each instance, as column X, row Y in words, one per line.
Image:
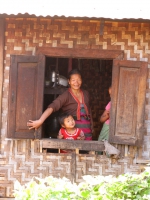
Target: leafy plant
column 123, row 187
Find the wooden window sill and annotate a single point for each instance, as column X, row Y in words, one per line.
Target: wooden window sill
column 72, row 144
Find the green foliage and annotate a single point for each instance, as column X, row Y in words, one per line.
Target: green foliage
column 124, row 187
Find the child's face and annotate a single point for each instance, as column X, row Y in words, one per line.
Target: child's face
column 69, row 122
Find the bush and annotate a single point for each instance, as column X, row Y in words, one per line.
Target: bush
column 124, row 187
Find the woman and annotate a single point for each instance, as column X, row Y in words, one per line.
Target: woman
column 74, row 101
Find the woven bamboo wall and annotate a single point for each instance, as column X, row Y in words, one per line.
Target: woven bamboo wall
column 21, row 159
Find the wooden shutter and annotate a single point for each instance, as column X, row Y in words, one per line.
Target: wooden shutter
column 128, row 102
column 25, row 94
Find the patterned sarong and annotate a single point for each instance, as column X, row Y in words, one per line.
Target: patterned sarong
column 84, row 123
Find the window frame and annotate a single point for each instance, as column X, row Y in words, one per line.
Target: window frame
column 78, row 53
column 2, row 39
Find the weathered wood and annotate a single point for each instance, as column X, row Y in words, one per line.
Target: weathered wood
column 77, row 151
column 73, row 144
column 73, row 167
column 79, row 53
column 127, row 104
column 2, row 31
column 25, row 95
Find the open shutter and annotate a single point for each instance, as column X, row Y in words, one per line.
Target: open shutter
column 25, row 94
column 128, row 102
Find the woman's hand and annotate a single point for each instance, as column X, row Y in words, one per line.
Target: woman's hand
column 37, row 123
column 34, row 124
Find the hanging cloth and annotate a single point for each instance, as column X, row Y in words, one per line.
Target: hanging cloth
column 78, row 102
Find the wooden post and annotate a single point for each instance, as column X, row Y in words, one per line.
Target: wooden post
column 73, row 167
column 77, row 151
column 69, row 64
column 2, row 33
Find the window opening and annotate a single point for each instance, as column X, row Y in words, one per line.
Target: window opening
column 96, row 76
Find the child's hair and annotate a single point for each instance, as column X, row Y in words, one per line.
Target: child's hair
column 62, row 117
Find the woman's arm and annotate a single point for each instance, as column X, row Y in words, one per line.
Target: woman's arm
column 37, row 123
column 104, row 116
column 54, row 106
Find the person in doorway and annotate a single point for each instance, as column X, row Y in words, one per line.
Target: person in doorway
column 74, row 101
column 105, row 118
column 68, row 130
column 104, row 134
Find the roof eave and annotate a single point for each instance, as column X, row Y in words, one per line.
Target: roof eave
column 26, row 15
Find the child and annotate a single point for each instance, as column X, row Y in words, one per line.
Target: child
column 104, row 134
column 68, row 130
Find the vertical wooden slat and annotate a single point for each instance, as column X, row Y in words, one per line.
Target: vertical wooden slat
column 73, row 167
column 2, row 31
column 70, row 64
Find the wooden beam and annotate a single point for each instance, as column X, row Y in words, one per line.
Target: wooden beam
column 2, row 33
column 73, row 144
column 79, row 53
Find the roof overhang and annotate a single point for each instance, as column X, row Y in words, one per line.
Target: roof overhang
column 125, row 10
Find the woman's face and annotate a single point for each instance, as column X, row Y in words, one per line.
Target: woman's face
column 75, row 81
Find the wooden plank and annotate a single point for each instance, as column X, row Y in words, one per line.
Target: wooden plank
column 25, row 94
column 2, row 31
column 128, row 102
column 73, row 167
column 73, row 144
column 142, row 161
column 79, row 53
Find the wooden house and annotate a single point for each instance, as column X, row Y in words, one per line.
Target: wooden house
column 108, row 45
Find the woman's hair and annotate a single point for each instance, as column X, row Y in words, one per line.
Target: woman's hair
column 62, row 117
column 72, row 72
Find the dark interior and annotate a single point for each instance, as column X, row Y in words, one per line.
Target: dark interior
column 96, row 76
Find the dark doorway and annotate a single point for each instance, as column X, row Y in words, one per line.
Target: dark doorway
column 97, row 77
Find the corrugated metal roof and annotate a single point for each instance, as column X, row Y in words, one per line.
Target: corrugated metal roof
column 109, row 9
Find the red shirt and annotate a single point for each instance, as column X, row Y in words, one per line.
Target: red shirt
column 66, row 135
column 78, row 133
